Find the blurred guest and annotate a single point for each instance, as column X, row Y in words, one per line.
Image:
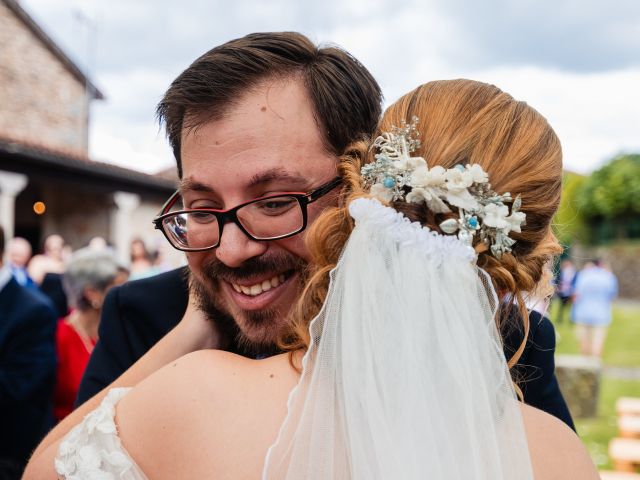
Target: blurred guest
column 141, row 261
column 88, row 277
column 27, row 370
column 98, row 243
column 18, row 255
column 47, row 269
column 50, row 261
column 594, row 290
column 564, row 287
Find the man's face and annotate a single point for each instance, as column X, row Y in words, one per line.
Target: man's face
column 19, row 252
column 53, row 246
column 268, row 143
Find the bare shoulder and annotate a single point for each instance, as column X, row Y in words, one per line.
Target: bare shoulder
column 556, row 451
column 209, row 411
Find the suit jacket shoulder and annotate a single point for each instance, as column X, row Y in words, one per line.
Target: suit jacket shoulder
column 134, row 317
column 535, row 370
column 27, row 369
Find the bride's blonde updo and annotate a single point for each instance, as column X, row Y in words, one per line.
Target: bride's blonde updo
column 460, row 122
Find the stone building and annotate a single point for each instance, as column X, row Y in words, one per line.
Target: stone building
column 48, row 183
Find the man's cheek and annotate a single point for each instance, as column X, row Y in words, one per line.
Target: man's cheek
column 296, row 246
column 196, row 260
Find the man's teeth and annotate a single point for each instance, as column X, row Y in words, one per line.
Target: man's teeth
column 258, row 288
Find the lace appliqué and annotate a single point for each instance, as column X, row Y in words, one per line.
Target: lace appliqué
column 92, row 449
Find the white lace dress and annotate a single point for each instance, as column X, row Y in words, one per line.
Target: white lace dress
column 92, row 450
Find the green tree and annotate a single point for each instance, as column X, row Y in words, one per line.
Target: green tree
column 609, row 200
column 568, row 223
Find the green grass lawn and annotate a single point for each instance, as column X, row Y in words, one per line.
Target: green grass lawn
column 596, row 432
column 622, row 349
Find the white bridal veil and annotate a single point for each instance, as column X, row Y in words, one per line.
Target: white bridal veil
column 405, row 376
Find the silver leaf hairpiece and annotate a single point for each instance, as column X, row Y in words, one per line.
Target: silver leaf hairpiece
column 396, row 175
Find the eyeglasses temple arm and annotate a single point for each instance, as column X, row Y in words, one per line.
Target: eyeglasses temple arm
column 167, row 205
column 313, row 196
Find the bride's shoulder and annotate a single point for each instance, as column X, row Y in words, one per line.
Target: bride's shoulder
column 202, row 401
column 556, row 450
column 212, row 378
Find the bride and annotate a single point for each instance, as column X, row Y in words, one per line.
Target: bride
column 393, row 366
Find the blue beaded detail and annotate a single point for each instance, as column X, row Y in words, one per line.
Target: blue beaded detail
column 389, row 182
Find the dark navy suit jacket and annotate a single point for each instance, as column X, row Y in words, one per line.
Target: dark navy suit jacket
column 27, row 371
column 137, row 314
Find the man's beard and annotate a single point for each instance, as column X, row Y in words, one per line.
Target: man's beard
column 208, row 298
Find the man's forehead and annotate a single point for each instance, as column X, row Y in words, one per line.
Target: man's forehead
column 276, row 107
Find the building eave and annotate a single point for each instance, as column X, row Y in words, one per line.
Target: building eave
column 44, row 163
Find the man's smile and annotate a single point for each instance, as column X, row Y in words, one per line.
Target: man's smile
column 257, row 287
column 256, row 294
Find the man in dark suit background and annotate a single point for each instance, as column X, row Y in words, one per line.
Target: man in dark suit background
column 27, row 370
column 346, row 103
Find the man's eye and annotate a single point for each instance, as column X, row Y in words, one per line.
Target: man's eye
column 201, row 217
column 276, row 205
column 194, row 206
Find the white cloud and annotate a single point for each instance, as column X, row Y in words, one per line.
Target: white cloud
column 149, row 154
column 574, row 60
column 594, row 115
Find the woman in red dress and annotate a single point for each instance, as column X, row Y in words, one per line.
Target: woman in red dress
column 89, row 275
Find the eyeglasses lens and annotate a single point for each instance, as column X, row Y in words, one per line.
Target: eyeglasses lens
column 264, row 219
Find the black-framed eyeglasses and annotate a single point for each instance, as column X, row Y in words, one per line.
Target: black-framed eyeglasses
column 266, row 218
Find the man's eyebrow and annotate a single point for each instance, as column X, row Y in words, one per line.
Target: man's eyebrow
column 276, row 174
column 262, row 178
column 188, row 184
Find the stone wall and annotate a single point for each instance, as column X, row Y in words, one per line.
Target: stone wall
column 624, row 260
column 579, row 380
column 41, row 102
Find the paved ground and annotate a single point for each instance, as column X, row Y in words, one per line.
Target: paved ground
column 626, row 302
column 622, row 373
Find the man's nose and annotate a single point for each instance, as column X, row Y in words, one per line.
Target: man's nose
column 236, row 247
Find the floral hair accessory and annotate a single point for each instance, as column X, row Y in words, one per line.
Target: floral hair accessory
column 396, row 175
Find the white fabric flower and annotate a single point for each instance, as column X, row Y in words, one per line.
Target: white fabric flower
column 496, row 216
column 458, row 179
column 117, row 459
column 462, row 199
column 400, row 164
column 478, row 175
column 419, row 177
column 101, row 419
column 407, row 163
column 89, row 457
column 92, row 450
column 65, row 467
column 422, row 176
column 380, row 191
column 430, row 197
column 416, row 162
column 515, row 220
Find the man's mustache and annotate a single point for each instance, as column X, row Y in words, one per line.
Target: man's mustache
column 253, row 267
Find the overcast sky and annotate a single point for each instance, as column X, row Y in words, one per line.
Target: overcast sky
column 576, row 61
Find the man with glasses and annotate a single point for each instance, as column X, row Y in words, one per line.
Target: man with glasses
column 256, row 127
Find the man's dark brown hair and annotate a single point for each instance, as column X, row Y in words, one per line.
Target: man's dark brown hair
column 345, row 96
